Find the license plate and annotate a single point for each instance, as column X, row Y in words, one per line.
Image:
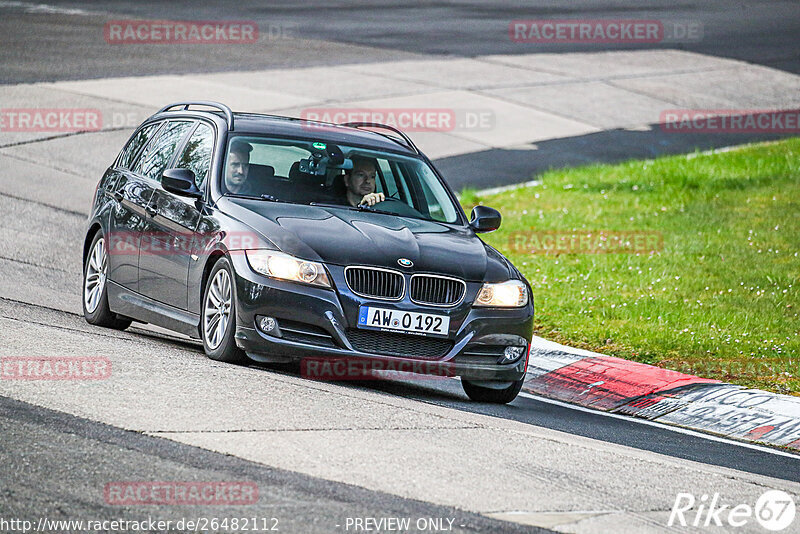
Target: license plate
column 403, row 321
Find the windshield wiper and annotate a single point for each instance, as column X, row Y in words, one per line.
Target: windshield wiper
column 331, row 205
column 268, row 198
column 271, row 198
column 364, row 207
column 353, row 208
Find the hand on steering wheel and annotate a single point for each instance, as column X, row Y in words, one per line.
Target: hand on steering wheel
column 371, row 199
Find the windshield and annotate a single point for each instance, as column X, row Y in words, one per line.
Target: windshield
column 307, row 172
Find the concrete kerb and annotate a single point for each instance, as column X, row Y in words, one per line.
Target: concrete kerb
column 630, row 388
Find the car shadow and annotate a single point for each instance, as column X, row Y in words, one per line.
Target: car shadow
column 441, row 391
column 187, row 343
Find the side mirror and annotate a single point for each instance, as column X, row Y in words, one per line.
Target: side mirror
column 484, row 219
column 180, row 182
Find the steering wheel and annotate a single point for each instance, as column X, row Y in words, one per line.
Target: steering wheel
column 385, row 199
column 398, row 206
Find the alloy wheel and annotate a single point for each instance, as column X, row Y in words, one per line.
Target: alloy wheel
column 95, row 280
column 217, row 309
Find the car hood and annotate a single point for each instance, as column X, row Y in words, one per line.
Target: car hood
column 348, row 237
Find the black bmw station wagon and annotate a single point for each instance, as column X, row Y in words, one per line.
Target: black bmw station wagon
column 280, row 239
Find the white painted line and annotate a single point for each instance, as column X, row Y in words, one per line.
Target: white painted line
column 540, row 365
column 679, row 430
column 724, row 149
column 495, row 190
column 544, row 346
column 32, row 7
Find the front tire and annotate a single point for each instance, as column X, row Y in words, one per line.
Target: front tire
column 496, row 396
column 95, row 288
column 218, row 317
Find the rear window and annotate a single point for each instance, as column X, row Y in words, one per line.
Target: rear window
column 134, row 146
column 161, row 150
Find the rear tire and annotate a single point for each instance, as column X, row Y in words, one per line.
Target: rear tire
column 95, row 288
column 218, row 315
column 496, row 396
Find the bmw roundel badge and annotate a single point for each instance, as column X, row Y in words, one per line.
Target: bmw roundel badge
column 405, row 262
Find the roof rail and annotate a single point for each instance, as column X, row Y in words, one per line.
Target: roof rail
column 408, row 142
column 208, row 103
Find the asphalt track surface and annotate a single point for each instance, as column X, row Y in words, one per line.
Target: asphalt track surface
column 57, row 448
column 55, row 466
column 60, row 41
column 335, row 32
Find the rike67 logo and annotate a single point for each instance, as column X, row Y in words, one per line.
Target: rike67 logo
column 774, row 511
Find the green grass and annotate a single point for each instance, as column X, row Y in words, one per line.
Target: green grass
column 719, row 300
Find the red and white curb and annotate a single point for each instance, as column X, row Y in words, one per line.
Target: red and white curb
column 625, row 387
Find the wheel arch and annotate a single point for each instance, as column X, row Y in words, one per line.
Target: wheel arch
column 211, row 261
column 87, row 242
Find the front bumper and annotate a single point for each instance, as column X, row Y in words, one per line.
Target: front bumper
column 316, row 323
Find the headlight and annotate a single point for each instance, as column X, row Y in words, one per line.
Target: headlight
column 286, row 267
column 509, row 294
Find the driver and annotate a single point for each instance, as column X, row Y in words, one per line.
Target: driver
column 360, row 182
column 237, row 167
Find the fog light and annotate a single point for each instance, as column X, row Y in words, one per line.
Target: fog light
column 511, row 354
column 268, row 325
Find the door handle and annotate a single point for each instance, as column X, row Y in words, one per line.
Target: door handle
column 151, row 211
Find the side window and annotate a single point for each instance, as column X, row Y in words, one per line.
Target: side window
column 397, row 180
column 160, row 151
column 139, row 139
column 440, row 207
column 386, row 173
column 400, row 178
column 197, row 155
